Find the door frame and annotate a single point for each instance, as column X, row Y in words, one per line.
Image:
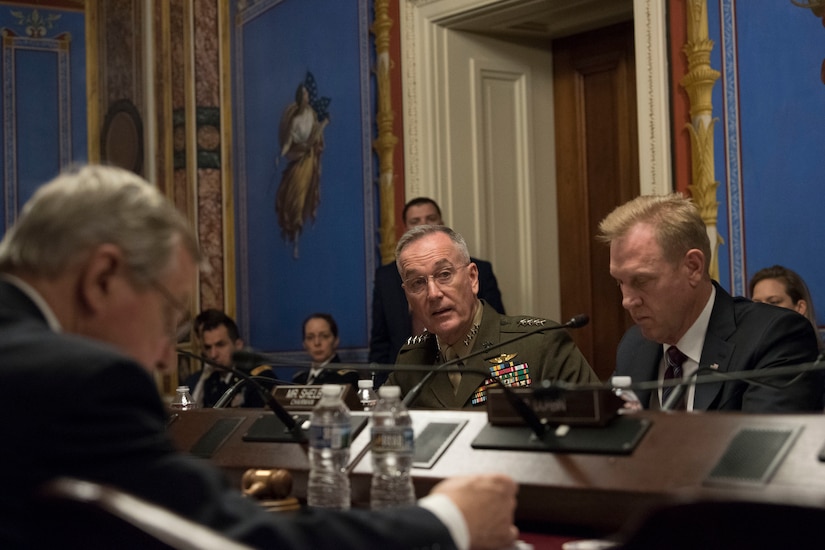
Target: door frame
column 422, row 25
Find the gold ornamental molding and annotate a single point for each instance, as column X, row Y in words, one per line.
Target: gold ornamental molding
column 699, row 82
column 384, row 144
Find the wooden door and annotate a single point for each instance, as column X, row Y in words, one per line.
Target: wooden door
column 597, row 169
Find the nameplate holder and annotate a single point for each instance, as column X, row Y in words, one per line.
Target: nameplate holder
column 304, row 398
column 592, row 407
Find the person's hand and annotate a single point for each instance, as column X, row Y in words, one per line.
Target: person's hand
column 488, row 504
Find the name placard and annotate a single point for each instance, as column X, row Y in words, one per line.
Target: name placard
column 579, row 408
column 304, row 398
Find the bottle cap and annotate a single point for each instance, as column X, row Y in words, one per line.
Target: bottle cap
column 365, row 383
column 183, row 388
column 621, row 381
column 330, row 390
column 389, row 391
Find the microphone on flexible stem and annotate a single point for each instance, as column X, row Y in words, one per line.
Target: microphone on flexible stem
column 251, row 359
column 246, row 362
column 227, row 396
column 524, row 411
column 576, row 321
column 270, row 401
column 412, row 395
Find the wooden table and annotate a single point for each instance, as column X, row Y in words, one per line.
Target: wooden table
column 601, row 492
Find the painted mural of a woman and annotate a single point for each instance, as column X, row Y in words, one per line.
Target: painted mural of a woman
column 301, row 137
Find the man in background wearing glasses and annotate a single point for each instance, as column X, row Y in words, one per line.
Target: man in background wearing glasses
column 441, row 284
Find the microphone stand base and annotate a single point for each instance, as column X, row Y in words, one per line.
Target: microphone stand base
column 620, row 436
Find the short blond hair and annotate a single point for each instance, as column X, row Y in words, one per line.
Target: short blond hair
column 676, row 221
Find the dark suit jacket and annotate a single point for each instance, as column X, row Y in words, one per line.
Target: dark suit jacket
column 76, row 407
column 549, row 356
column 391, row 323
column 330, row 375
column 742, row 335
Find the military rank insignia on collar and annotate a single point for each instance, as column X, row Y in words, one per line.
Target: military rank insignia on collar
column 510, row 374
column 414, row 340
column 532, row 322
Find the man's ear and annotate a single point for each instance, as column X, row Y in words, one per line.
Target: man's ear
column 98, row 277
column 694, row 262
column 472, row 270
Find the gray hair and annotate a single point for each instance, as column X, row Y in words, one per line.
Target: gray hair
column 421, row 231
column 92, row 205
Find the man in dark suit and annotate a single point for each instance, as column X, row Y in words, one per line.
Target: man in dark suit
column 441, row 284
column 687, row 324
column 89, row 308
column 392, row 320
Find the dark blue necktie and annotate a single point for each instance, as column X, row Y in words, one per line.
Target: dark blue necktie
column 674, row 360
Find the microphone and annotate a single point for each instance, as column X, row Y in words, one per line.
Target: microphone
column 267, row 397
column 576, row 321
column 227, row 396
column 247, row 359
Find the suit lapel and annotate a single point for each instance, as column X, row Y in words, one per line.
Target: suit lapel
column 646, row 367
column 717, row 351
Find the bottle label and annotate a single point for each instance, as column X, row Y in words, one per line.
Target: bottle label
column 329, row 437
column 392, row 440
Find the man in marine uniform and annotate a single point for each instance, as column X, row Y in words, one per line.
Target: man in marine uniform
column 441, row 284
column 392, row 319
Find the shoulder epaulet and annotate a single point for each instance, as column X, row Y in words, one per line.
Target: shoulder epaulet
column 257, row 371
column 344, row 372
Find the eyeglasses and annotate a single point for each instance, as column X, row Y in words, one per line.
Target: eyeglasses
column 443, row 277
column 177, row 317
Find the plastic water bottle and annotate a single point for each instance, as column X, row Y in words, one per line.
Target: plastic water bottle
column 367, row 395
column 329, row 441
column 621, row 387
column 392, row 451
column 183, row 399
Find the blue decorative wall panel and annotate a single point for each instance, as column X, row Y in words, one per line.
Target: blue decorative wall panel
column 43, row 103
column 770, row 147
column 283, row 276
